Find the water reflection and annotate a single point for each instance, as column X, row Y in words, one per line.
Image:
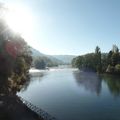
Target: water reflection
column 113, row 83
column 33, row 77
column 91, row 81
column 56, row 94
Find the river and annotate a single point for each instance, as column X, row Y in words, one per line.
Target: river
column 69, row 94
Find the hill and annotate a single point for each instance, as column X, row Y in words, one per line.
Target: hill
column 48, row 59
column 36, row 53
column 65, row 58
column 56, row 59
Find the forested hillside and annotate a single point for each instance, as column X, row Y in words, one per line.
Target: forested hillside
column 41, row 61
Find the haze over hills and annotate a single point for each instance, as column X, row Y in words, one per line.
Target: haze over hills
column 58, row 59
column 65, row 58
column 36, row 53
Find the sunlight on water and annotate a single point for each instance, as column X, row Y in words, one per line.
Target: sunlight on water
column 35, row 70
column 69, row 94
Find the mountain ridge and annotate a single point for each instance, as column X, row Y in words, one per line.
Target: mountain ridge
column 59, row 59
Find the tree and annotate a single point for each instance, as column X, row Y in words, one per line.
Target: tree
column 117, row 68
column 100, row 62
column 85, row 62
column 39, row 63
column 115, row 49
column 15, row 59
column 113, row 83
column 109, row 57
column 98, row 59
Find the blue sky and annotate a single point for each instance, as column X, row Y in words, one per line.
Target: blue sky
column 73, row 26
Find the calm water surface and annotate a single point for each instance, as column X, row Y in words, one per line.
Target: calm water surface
column 69, row 94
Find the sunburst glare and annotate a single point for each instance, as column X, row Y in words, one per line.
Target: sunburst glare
column 20, row 20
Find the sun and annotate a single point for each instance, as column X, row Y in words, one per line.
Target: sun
column 20, row 20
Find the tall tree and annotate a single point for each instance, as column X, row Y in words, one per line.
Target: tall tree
column 98, row 59
column 15, row 59
column 115, row 58
column 115, row 49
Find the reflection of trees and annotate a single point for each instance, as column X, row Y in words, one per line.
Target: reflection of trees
column 113, row 83
column 33, row 77
column 91, row 81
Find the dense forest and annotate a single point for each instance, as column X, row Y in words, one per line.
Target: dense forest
column 99, row 62
column 41, row 62
column 15, row 58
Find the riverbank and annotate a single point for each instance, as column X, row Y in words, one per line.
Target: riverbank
column 12, row 108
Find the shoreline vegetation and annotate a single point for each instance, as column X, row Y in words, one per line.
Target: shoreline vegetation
column 15, row 62
column 99, row 62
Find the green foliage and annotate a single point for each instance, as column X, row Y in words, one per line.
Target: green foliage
column 78, row 61
column 15, row 60
column 99, row 62
column 104, row 61
column 39, row 63
column 110, row 69
column 84, row 62
column 115, row 59
column 48, row 62
column 97, row 59
column 113, row 82
column 109, row 57
column 91, row 61
column 117, row 68
column 115, row 49
column 97, row 50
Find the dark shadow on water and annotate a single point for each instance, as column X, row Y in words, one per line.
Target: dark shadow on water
column 93, row 82
column 33, row 77
column 89, row 80
column 113, row 83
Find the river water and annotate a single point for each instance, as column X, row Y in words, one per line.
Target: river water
column 68, row 94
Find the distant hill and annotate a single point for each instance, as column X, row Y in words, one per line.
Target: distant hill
column 57, row 59
column 65, row 58
column 36, row 53
column 48, row 58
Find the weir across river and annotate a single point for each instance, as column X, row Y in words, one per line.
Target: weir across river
column 37, row 110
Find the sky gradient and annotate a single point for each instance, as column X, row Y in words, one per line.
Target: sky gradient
column 72, row 26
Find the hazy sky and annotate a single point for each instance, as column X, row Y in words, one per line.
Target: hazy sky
column 72, row 26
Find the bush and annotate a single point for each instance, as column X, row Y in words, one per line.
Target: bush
column 117, row 68
column 39, row 63
column 110, row 69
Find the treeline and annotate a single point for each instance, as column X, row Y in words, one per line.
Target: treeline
column 43, row 62
column 99, row 62
column 15, row 59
